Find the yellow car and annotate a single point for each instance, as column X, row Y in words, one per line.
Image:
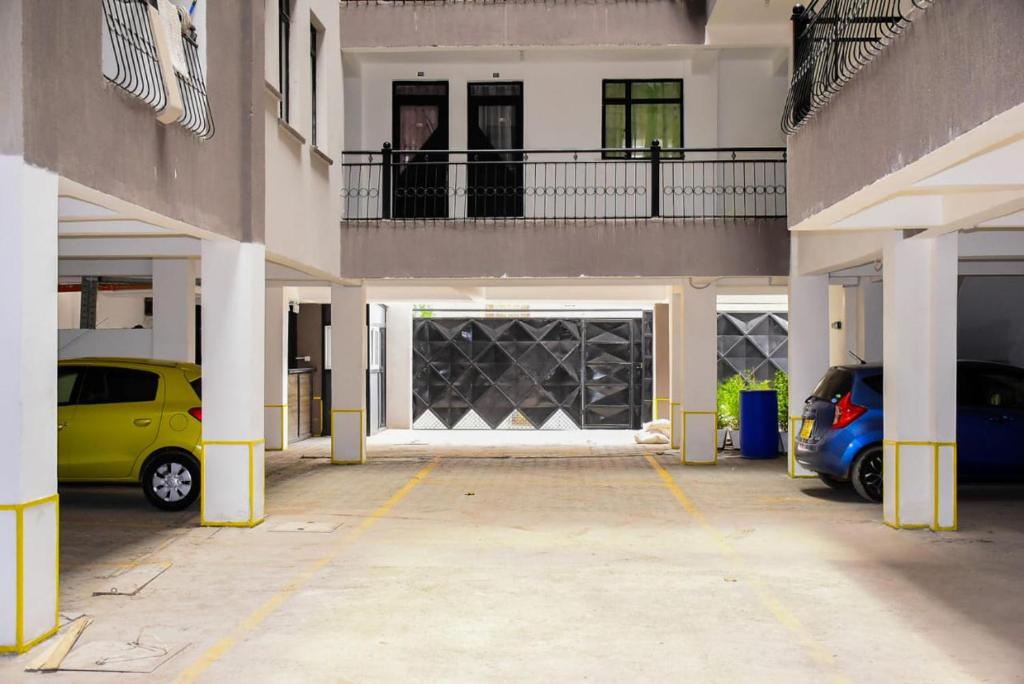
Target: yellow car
column 131, row 420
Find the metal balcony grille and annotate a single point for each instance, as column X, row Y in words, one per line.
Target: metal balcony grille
column 134, row 48
column 197, row 118
column 832, row 41
column 137, row 68
column 511, row 185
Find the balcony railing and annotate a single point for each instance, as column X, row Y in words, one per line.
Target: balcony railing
column 832, row 41
column 137, row 67
column 530, row 185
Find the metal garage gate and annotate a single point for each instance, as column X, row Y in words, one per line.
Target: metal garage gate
column 532, row 373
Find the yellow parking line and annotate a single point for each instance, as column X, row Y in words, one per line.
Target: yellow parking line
column 768, row 600
column 215, row 652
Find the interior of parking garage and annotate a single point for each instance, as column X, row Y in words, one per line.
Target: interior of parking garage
column 500, row 341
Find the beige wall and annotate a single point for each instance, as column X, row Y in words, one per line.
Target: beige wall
column 658, row 248
column 958, row 65
column 11, row 119
column 82, row 126
column 549, row 23
column 303, row 200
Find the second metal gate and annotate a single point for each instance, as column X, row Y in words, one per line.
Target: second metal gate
column 531, row 373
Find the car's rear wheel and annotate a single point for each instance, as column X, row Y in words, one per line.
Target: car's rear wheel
column 833, row 481
column 171, row 480
column 866, row 474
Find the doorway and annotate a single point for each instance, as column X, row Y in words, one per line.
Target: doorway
column 420, row 135
column 376, row 368
column 495, row 167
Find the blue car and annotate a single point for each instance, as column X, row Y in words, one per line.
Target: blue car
column 840, row 435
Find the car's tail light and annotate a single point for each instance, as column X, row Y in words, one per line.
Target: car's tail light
column 196, row 413
column 847, row 411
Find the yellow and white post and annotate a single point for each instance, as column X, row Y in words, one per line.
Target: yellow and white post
column 28, row 406
column 808, row 346
column 348, row 374
column 698, row 414
column 234, row 300
column 919, row 349
column 275, row 383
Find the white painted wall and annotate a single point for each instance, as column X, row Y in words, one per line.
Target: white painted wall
column 991, row 321
column 77, row 343
column 562, row 92
column 303, row 203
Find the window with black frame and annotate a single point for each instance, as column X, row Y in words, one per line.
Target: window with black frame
column 637, row 112
column 284, row 42
column 314, row 39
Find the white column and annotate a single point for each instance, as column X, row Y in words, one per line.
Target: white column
column 662, row 371
column 700, row 376
column 871, row 320
column 348, row 374
column 837, row 342
column 399, row 366
column 808, row 349
column 275, row 382
column 174, row 310
column 919, row 349
column 853, row 312
column 675, row 341
column 28, row 405
column 233, row 301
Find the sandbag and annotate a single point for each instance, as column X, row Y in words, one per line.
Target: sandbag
column 662, row 426
column 646, row 437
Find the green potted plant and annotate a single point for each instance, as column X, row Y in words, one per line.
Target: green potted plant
column 780, row 383
column 728, row 401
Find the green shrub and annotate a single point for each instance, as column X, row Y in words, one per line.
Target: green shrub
column 728, row 397
column 780, row 383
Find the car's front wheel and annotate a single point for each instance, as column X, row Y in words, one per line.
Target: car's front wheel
column 171, row 480
column 866, row 474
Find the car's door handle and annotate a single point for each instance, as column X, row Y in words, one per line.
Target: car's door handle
column 142, row 422
column 61, row 426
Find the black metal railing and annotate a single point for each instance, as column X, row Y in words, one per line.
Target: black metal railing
column 137, row 69
column 137, row 65
column 639, row 183
column 832, row 41
column 197, row 117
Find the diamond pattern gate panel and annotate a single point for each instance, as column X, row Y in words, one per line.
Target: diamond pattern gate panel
column 526, row 373
column 755, row 343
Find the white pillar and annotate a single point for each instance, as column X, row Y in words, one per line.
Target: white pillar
column 662, row 371
column 174, row 310
column 233, row 306
column 275, row 383
column 28, row 405
column 348, row 374
column 700, row 376
column 808, row 349
column 920, row 282
column 871, row 320
column 837, row 341
column 675, row 341
column 399, row 366
column 853, row 309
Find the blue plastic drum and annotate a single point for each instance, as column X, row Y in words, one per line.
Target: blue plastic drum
column 759, row 424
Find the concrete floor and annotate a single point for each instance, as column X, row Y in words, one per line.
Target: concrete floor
column 505, row 558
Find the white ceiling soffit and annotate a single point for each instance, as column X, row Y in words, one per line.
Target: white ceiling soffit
column 1015, row 220
column 127, row 247
column 74, row 209
column 973, row 179
column 119, row 227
